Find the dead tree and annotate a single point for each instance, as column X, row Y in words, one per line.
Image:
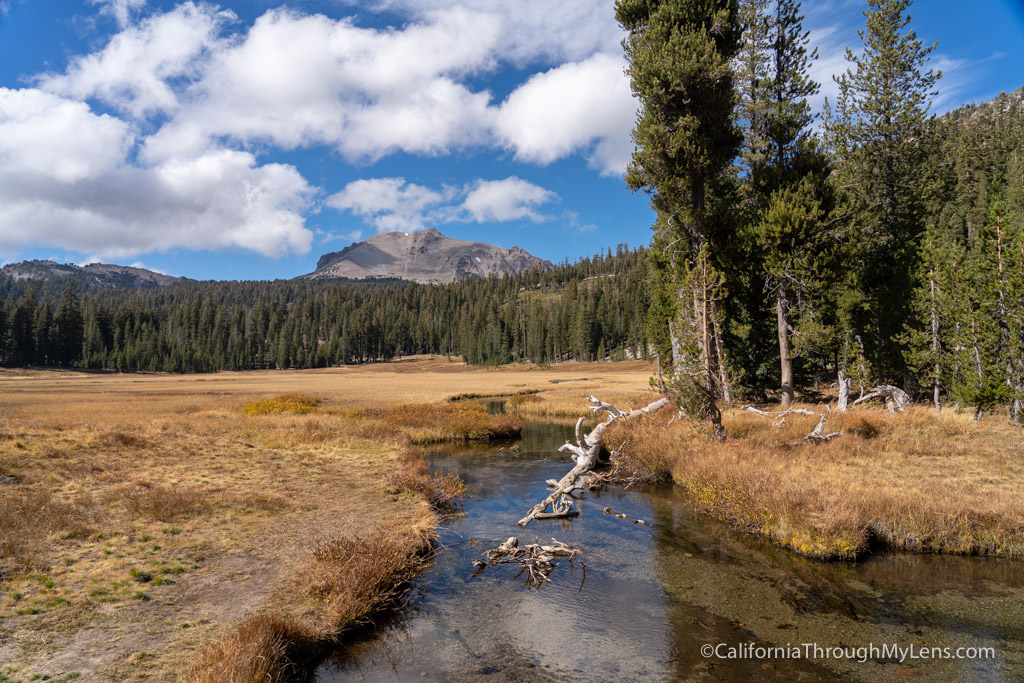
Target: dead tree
column 536, row 560
column 818, row 434
column 586, row 453
column 844, row 392
column 896, row 400
column 779, row 417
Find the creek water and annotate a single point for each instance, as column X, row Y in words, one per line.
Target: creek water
column 654, row 595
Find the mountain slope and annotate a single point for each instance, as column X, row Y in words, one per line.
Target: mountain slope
column 94, row 275
column 424, row 257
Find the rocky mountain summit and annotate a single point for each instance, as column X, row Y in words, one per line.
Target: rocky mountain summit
column 426, row 256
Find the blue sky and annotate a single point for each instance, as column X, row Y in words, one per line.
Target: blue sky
column 243, row 139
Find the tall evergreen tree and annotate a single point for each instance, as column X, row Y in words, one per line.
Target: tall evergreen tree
column 679, row 55
column 787, row 177
column 23, row 339
column 70, row 328
column 880, row 130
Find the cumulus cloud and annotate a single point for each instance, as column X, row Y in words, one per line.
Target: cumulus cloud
column 295, row 81
column 298, row 80
column 65, row 182
column 196, row 99
column 505, row 200
column 46, row 136
column 392, row 204
column 533, row 30
column 577, row 106
column 141, row 67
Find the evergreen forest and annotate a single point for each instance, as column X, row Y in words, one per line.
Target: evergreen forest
column 593, row 309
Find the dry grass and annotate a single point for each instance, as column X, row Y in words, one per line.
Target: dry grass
column 411, row 474
column 918, row 481
column 165, row 503
column 146, row 518
column 262, row 648
column 29, row 517
column 347, row 579
column 285, row 403
column 440, row 422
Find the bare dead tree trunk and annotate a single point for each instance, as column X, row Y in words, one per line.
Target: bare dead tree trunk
column 710, row 374
column 586, row 453
column 937, row 396
column 896, row 400
column 723, row 366
column 844, row 392
column 785, row 359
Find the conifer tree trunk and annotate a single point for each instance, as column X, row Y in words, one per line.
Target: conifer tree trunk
column 785, row 357
column 936, row 388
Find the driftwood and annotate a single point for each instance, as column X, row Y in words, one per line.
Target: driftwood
column 818, row 435
column 536, row 560
column 896, row 400
column 780, row 417
column 586, row 453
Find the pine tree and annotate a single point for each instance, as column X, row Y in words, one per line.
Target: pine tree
column 787, row 172
column 880, row 130
column 679, row 57
column 70, row 328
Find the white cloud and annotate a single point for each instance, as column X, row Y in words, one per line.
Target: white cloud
column 65, row 181
column 121, row 10
column 197, row 98
column 141, row 67
column 578, row 106
column 533, row 30
column 298, row 80
column 46, row 136
column 506, row 200
column 392, row 204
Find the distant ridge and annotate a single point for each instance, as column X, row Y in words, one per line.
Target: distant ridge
column 91, row 276
column 425, row 256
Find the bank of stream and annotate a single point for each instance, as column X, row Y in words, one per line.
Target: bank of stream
column 654, row 596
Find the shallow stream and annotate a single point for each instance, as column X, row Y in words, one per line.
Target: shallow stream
column 653, row 596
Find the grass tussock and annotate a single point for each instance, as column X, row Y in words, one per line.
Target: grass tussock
column 121, row 440
column 262, row 649
column 356, row 577
column 165, row 503
column 916, row 481
column 28, row 517
column 411, row 474
column 426, row 423
column 284, row 403
column 348, row 579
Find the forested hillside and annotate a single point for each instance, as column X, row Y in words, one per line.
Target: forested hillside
column 590, row 310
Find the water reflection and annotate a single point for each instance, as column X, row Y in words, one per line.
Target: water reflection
column 654, row 595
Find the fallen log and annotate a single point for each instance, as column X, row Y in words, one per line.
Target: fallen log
column 586, row 453
column 780, row 417
column 896, row 400
column 536, row 560
column 817, row 435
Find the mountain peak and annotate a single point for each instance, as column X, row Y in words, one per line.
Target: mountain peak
column 423, row 256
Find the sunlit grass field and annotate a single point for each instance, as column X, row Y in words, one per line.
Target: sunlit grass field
column 232, row 526
column 158, row 527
